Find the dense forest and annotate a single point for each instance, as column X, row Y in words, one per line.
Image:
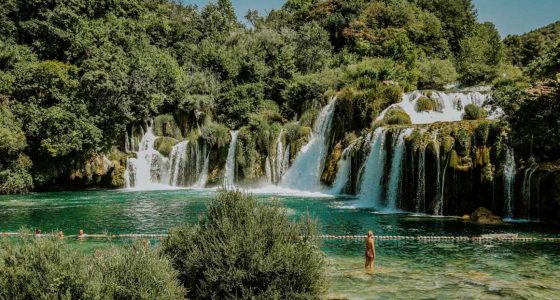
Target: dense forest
column 77, row 76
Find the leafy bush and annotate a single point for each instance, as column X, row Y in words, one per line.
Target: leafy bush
column 216, row 134
column 46, row 268
column 396, row 116
column 474, row 112
column 436, row 73
column 165, row 125
column 308, row 117
column 165, row 145
column 42, row 269
column 136, row 272
column 243, row 249
column 424, row 104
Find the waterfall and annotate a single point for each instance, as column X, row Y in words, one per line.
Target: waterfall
column 421, row 184
column 229, row 177
column 372, row 180
column 203, row 174
column 448, row 107
column 149, row 169
column 280, row 160
column 526, row 188
column 268, row 170
column 509, row 179
column 396, row 170
column 178, row 158
column 305, row 172
column 439, row 196
column 343, row 172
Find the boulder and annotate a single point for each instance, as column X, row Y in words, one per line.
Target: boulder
column 485, row 216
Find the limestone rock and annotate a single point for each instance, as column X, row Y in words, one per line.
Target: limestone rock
column 485, row 216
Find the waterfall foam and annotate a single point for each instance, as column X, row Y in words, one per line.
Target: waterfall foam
column 396, row 170
column 448, row 106
column 343, row 172
column 509, row 179
column 305, row 172
column 372, row 181
column 229, row 177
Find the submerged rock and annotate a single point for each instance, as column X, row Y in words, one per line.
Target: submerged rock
column 485, row 216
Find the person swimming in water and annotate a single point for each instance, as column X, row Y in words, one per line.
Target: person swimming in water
column 370, row 252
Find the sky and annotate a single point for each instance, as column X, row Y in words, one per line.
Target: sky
column 510, row 16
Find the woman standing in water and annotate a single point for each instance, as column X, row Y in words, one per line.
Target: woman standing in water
column 370, row 252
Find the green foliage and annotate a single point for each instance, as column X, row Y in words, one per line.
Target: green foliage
column 524, row 49
column 436, row 73
column 474, row 112
column 165, row 145
column 235, row 106
column 306, row 90
column 165, row 125
column 136, row 271
column 47, row 269
column 308, row 117
column 396, row 116
column 216, row 134
column 424, row 104
column 245, row 249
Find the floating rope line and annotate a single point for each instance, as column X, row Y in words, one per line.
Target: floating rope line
column 482, row 238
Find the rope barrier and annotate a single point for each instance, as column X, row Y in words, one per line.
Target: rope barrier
column 482, row 238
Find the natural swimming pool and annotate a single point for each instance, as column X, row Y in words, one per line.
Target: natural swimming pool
column 404, row 269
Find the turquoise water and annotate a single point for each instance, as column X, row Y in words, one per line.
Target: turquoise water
column 405, row 270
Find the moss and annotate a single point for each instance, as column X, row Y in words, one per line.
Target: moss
column 396, row 116
column 473, row 112
column 331, row 165
column 488, row 173
column 424, row 104
column 164, row 145
column 463, row 142
column 448, row 142
column 117, row 174
column 391, row 93
column 165, row 125
column 216, row 134
column 453, row 159
column 308, row 117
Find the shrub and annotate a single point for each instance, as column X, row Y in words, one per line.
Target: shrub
column 424, row 104
column 396, row 116
column 165, row 125
column 135, row 271
column 473, row 112
column 308, row 117
column 42, row 269
column 216, row 134
column 46, row 268
column 246, row 250
column 165, row 145
column 436, row 73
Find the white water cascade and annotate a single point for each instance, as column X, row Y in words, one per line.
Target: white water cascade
column 421, row 181
column 305, row 172
column 178, row 158
column 343, row 172
column 149, row 170
column 449, row 107
column 372, row 180
column 509, row 179
column 526, row 188
column 396, row 170
column 229, row 176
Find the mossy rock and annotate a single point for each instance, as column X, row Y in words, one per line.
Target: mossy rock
column 164, row 145
column 424, row 104
column 165, row 125
column 473, row 112
column 331, row 165
column 397, row 116
column 216, row 135
column 308, row 117
column 463, row 141
column 488, row 173
column 117, row 174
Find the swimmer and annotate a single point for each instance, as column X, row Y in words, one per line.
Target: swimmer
column 370, row 252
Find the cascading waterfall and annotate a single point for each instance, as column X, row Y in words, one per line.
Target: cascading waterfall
column 203, row 174
column 229, row 177
column 343, row 173
column 149, row 169
column 178, row 157
column 421, row 181
column 438, row 207
column 268, row 170
column 280, row 163
column 372, row 180
column 526, row 188
column 396, row 170
column 509, row 179
column 305, row 172
column 448, row 106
